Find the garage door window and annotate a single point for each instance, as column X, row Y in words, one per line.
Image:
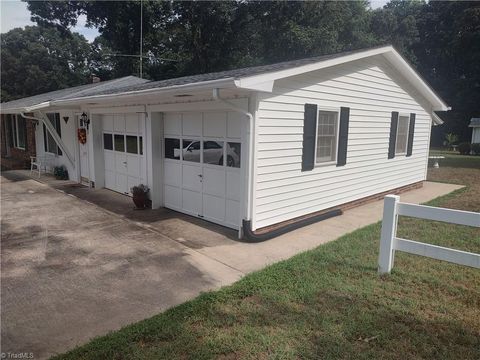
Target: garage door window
column 191, row 150
column 108, row 141
column 119, row 143
column 132, row 144
column 213, row 152
column 172, row 148
column 234, row 150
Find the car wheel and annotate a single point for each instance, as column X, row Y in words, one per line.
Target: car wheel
column 230, row 161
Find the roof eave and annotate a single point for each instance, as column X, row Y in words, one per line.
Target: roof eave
column 415, row 79
column 220, row 83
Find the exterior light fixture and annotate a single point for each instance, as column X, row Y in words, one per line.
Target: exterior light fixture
column 84, row 120
column 65, row 118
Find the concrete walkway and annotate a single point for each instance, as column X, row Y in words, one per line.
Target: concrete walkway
column 75, row 267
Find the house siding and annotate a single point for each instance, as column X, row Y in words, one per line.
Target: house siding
column 372, row 90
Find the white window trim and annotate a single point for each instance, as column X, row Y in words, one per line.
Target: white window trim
column 404, row 153
column 17, row 138
column 337, row 111
column 47, row 133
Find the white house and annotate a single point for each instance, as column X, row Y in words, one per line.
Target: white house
column 256, row 148
column 475, row 125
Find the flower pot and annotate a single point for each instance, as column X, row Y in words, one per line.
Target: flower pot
column 140, row 200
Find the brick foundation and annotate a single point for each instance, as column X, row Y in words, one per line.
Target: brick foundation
column 343, row 207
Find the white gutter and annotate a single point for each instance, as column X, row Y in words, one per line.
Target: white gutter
column 204, row 85
column 436, row 119
column 54, row 134
column 216, row 96
column 36, row 107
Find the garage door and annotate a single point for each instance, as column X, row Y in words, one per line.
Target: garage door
column 123, row 151
column 202, row 165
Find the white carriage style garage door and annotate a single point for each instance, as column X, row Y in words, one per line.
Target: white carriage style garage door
column 202, row 165
column 123, row 151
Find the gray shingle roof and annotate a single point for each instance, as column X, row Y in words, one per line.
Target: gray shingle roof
column 474, row 122
column 77, row 91
column 235, row 74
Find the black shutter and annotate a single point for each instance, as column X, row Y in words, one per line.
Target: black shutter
column 58, row 127
column 343, row 136
column 309, row 134
column 45, row 138
column 411, row 131
column 393, row 135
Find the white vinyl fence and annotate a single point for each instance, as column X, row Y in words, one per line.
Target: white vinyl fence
column 389, row 242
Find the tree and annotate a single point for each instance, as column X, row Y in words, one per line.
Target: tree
column 204, row 36
column 442, row 39
column 36, row 60
column 449, row 57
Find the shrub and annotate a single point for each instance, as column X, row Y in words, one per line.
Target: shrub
column 140, row 189
column 464, row 148
column 476, row 148
column 60, row 173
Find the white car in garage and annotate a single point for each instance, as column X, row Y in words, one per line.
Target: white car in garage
column 212, row 153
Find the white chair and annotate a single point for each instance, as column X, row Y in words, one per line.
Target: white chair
column 41, row 163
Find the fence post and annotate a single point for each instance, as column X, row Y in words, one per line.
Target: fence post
column 389, row 231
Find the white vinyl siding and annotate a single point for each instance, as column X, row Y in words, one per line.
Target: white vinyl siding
column 327, row 136
column 402, row 135
column 372, row 90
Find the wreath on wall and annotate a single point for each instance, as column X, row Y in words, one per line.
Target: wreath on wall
column 82, row 135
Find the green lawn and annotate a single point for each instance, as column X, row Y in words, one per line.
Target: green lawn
column 329, row 303
column 454, row 159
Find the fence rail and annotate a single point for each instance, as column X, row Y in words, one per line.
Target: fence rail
column 389, row 241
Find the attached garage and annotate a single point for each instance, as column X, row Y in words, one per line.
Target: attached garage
column 263, row 148
column 123, row 151
column 202, row 164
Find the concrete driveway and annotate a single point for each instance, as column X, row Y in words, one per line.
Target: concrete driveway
column 71, row 271
column 78, row 263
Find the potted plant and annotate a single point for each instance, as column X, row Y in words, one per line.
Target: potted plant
column 140, row 197
column 60, row 173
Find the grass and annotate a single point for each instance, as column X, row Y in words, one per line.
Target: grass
column 454, row 159
column 329, row 303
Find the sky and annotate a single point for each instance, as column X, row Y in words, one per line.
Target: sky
column 14, row 13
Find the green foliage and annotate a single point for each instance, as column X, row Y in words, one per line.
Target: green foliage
column 441, row 38
column 451, row 139
column 60, row 172
column 36, row 60
column 464, row 148
column 476, row 148
column 183, row 37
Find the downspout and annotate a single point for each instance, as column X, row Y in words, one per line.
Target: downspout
column 216, row 96
column 54, row 134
